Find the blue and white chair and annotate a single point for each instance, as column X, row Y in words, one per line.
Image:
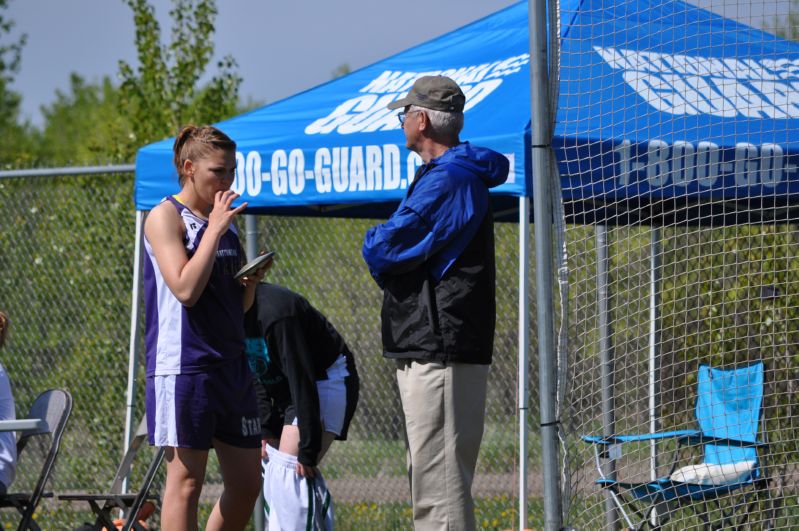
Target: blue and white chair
column 729, row 416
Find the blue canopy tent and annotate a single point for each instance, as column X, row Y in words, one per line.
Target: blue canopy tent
column 648, row 112
column 633, row 91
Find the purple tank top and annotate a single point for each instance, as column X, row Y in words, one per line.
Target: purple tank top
column 185, row 340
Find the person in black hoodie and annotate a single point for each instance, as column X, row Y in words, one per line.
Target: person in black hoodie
column 434, row 260
column 307, row 386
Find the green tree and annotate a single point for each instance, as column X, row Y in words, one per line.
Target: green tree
column 787, row 26
column 86, row 126
column 340, row 71
column 17, row 142
column 164, row 92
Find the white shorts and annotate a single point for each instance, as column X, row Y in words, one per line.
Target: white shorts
column 333, row 397
column 292, row 502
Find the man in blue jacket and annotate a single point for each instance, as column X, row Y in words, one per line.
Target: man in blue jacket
column 434, row 260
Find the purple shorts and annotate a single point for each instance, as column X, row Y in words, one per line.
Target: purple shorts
column 190, row 410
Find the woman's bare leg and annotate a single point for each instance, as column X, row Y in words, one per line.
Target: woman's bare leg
column 185, row 473
column 241, row 475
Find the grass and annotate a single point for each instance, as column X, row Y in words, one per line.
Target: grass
column 496, row 513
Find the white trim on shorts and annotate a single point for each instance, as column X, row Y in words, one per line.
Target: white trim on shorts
column 166, row 431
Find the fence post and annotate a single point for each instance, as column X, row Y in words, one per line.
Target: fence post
column 251, row 233
column 541, row 133
column 606, row 355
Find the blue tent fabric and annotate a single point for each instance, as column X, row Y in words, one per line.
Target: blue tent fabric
column 338, row 144
column 687, row 87
column 658, row 101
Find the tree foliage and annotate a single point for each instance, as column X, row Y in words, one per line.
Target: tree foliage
column 16, row 143
column 164, row 91
column 102, row 122
column 85, row 126
column 340, row 71
column 787, row 26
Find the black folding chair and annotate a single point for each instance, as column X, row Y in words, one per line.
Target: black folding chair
column 130, row 502
column 53, row 408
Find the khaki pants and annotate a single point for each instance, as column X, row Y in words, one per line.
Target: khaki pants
column 444, row 408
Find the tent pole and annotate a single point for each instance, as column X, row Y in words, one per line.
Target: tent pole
column 606, row 357
column 251, row 233
column 133, row 346
column 524, row 351
column 654, row 354
column 540, row 139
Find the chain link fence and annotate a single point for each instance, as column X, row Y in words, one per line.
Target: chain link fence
column 726, row 298
column 689, row 261
column 66, row 254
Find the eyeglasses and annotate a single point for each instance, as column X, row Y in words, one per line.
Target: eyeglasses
column 401, row 116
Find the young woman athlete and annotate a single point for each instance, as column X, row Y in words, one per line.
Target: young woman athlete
column 199, row 389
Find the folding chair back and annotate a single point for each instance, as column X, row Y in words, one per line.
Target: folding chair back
column 53, row 407
column 123, row 470
column 728, row 406
column 149, row 477
column 103, row 504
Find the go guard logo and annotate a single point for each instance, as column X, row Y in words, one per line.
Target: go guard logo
column 349, row 169
column 367, row 112
column 730, row 87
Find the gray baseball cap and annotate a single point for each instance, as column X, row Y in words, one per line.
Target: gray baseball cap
column 439, row 93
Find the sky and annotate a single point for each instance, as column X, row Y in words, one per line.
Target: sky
column 281, row 47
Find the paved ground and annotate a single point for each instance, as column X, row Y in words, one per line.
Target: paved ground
column 395, row 488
